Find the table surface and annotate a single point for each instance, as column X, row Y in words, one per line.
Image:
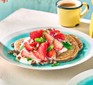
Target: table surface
column 14, row 75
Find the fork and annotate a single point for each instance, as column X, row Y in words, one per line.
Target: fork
column 1, row 49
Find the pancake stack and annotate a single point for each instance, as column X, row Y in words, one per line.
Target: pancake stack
column 77, row 45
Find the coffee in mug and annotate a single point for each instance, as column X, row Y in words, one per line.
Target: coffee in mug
column 67, row 5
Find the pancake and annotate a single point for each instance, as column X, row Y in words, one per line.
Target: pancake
column 78, row 41
column 17, row 44
column 70, row 54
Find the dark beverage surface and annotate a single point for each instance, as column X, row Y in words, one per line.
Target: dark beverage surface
column 67, row 5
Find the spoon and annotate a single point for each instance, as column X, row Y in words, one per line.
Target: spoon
column 2, row 46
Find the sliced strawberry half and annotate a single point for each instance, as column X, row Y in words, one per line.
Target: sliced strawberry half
column 51, row 53
column 33, row 44
column 49, row 38
column 43, row 49
column 57, row 45
column 39, row 55
column 27, row 54
column 36, row 34
column 59, row 36
column 28, row 47
column 53, row 32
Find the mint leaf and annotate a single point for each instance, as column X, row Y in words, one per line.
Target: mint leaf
column 67, row 45
column 21, row 47
column 28, row 59
column 50, row 48
column 55, row 64
column 40, row 40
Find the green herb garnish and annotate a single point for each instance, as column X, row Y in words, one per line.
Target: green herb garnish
column 67, row 45
column 50, row 48
column 28, row 59
column 55, row 64
column 21, row 47
column 40, row 40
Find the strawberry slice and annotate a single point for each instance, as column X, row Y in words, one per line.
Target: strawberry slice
column 39, row 56
column 41, row 53
column 59, row 36
column 51, row 53
column 49, row 38
column 27, row 54
column 43, row 48
column 53, row 32
column 33, row 44
column 36, row 34
column 57, row 45
column 28, row 47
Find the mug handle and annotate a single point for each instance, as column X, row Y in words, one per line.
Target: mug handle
column 86, row 9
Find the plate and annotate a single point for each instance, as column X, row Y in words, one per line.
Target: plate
column 84, row 78
column 85, row 54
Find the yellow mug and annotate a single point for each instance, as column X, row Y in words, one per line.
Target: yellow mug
column 91, row 27
column 69, row 12
column 92, row 2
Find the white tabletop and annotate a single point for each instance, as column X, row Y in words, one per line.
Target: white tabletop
column 13, row 75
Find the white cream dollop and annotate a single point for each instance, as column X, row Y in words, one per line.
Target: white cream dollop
column 63, row 50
